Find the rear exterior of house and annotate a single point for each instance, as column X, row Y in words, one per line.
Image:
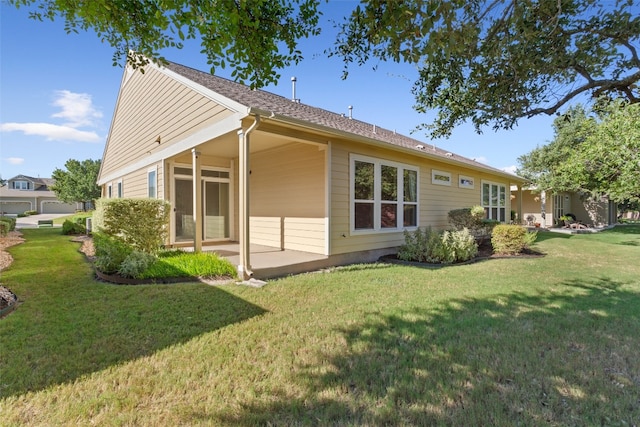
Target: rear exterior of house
column 278, row 173
column 25, row 193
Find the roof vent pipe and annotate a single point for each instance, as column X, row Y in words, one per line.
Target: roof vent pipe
column 293, row 90
column 351, row 111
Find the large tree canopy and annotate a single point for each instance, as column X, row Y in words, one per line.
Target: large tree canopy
column 78, row 182
column 492, row 62
column 255, row 38
column 496, row 61
column 596, row 153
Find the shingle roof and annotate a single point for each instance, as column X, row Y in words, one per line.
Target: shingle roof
column 281, row 106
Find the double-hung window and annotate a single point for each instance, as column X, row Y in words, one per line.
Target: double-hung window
column 384, row 195
column 494, row 200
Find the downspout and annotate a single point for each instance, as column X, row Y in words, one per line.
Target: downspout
column 244, row 266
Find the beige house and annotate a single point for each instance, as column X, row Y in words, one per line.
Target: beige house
column 25, row 193
column 546, row 208
column 249, row 166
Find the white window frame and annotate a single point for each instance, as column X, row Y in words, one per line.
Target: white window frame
column 24, row 185
column 488, row 208
column 434, row 180
column 120, row 189
column 465, row 181
column 154, row 171
column 109, row 191
column 377, row 202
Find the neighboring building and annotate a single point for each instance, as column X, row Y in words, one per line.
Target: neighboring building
column 273, row 171
column 24, row 193
column 546, row 208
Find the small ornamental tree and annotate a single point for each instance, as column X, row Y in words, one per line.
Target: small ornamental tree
column 78, row 183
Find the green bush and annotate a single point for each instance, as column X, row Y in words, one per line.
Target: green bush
column 11, row 220
column 135, row 264
column 21, row 215
column 439, row 248
column 510, row 239
column 470, row 218
column 460, row 245
column 73, row 227
column 4, row 228
column 31, row 212
column 110, row 252
column 142, row 224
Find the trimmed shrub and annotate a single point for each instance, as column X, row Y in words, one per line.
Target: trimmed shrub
column 470, row 218
column 110, row 252
column 11, row 220
column 73, row 227
column 135, row 264
column 510, row 239
column 460, row 245
column 438, row 248
column 142, row 224
column 4, row 228
column 31, row 212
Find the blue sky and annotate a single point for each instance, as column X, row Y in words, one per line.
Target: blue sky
column 58, row 92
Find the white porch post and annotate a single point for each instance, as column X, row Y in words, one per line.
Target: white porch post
column 244, row 172
column 244, row 262
column 197, row 201
column 520, row 220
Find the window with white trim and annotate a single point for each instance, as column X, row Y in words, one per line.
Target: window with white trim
column 384, row 195
column 152, row 183
column 109, row 191
column 494, row 200
column 21, row 185
column 120, row 191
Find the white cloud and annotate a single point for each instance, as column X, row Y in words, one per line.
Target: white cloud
column 77, row 109
column 15, row 160
column 51, row 132
column 510, row 169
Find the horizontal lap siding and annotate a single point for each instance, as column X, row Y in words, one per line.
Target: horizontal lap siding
column 149, row 105
column 135, row 184
column 266, row 231
column 304, row 234
column 299, row 234
column 288, row 181
column 288, row 197
column 435, row 200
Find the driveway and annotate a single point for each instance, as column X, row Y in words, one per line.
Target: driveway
column 31, row 221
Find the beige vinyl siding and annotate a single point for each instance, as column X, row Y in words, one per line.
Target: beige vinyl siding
column 532, row 207
column 298, row 234
column 435, row 201
column 288, row 197
column 152, row 105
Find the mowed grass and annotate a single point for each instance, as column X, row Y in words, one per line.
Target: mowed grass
column 530, row 341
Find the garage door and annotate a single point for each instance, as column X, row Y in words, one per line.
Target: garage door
column 58, row 208
column 15, row 207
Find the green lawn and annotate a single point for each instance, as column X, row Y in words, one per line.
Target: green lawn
column 530, row 341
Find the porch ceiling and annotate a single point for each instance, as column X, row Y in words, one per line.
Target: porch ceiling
column 226, row 146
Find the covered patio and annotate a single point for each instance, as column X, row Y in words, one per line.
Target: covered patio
column 269, row 262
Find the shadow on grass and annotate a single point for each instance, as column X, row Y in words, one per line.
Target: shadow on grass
column 68, row 325
column 548, row 235
column 563, row 357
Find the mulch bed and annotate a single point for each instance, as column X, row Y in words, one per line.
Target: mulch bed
column 485, row 252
